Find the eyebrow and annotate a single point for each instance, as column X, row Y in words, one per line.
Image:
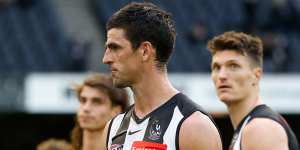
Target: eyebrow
column 231, row 61
column 214, row 64
column 97, row 98
column 228, row 61
column 112, row 44
column 92, row 98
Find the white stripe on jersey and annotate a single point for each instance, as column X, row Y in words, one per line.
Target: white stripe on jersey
column 237, row 144
column 138, row 136
column 115, row 126
column 170, row 135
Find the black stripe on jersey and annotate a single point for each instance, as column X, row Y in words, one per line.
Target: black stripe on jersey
column 127, row 110
column 159, row 122
column 120, row 136
column 156, row 112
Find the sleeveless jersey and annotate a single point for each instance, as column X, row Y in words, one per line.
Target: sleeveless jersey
column 263, row 111
column 160, row 128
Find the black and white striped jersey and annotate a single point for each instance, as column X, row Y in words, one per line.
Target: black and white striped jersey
column 263, row 111
column 160, row 127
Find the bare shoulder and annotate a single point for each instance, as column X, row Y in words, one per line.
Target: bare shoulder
column 263, row 133
column 199, row 132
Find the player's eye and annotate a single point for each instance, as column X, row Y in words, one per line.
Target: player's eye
column 233, row 66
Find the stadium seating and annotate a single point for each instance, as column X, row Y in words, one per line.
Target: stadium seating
column 31, row 39
column 217, row 16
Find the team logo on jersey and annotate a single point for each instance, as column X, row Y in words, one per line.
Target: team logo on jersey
column 116, row 147
column 155, row 130
column 133, row 132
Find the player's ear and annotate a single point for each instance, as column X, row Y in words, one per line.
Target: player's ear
column 147, row 50
column 257, row 75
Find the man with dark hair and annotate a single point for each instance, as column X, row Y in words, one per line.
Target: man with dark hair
column 236, row 66
column 140, row 40
column 99, row 102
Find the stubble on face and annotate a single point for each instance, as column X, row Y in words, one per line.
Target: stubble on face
column 121, row 84
column 122, row 58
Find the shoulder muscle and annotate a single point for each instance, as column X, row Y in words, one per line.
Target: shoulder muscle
column 199, row 132
column 262, row 134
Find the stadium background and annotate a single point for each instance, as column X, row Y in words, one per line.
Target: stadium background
column 46, row 42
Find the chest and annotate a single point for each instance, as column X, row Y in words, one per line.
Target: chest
column 157, row 129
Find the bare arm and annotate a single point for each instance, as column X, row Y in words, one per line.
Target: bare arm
column 262, row 134
column 198, row 132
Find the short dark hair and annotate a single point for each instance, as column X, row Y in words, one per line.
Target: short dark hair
column 245, row 44
column 146, row 22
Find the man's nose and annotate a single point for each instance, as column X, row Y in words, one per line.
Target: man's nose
column 107, row 57
column 86, row 107
column 222, row 74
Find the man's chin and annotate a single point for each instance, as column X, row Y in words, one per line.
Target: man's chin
column 225, row 99
column 120, row 84
column 228, row 101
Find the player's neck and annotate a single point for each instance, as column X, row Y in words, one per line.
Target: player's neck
column 151, row 92
column 239, row 110
column 91, row 139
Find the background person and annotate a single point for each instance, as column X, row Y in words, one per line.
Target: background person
column 237, row 60
column 99, row 102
